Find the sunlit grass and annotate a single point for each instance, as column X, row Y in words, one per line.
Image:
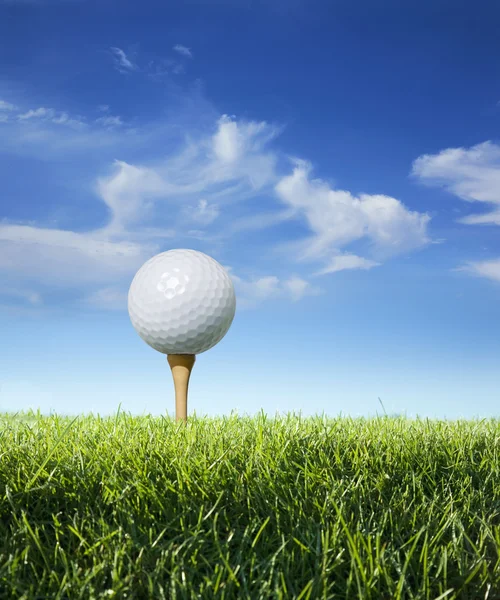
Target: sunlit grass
column 242, row 507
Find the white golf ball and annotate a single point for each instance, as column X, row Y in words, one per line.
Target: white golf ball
column 181, row 302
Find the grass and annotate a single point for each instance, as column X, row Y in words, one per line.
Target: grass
column 241, row 507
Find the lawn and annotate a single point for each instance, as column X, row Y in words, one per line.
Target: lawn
column 249, row 507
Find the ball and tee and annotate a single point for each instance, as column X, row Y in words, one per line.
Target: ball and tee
column 181, row 303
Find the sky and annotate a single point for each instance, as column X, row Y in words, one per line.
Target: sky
column 340, row 159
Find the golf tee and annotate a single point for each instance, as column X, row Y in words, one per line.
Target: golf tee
column 181, row 366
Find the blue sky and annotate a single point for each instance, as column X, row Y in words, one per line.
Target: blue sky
column 340, row 159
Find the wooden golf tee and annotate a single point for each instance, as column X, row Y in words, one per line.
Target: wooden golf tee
column 181, row 366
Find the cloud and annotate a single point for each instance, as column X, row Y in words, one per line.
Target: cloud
column 472, row 174
column 121, row 60
column 252, row 292
column 128, row 193
column 208, row 182
column 132, row 191
column 7, row 106
column 109, row 121
column 159, row 69
column 488, row 268
column 107, row 298
column 52, row 116
column 260, row 221
column 298, row 288
column 145, row 203
column 52, row 136
column 65, row 119
column 103, row 108
column 337, row 218
column 204, row 213
column 234, row 139
column 67, row 259
column 347, row 261
column 183, row 51
column 36, row 113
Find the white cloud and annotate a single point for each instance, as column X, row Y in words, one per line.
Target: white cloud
column 204, row 213
column 206, row 180
column 228, row 141
column 109, row 121
column 52, row 116
column 128, row 193
column 487, row 268
column 233, row 139
column 108, row 298
column 7, row 106
column 131, row 191
column 103, row 108
column 65, row 119
column 337, row 218
column 253, row 292
column 472, row 174
column 67, row 259
column 72, row 260
column 51, row 140
column 61, row 119
column 160, row 69
column 298, row 288
column 260, row 221
column 36, row 113
column 347, row 261
column 122, row 62
column 180, row 49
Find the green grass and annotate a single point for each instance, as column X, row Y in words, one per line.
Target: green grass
column 241, row 507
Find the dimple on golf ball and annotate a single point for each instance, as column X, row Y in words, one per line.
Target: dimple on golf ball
column 181, row 302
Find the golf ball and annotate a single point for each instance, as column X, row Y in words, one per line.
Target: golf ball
column 181, row 302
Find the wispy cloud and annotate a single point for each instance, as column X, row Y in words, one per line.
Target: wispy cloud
column 223, row 172
column 156, row 68
column 196, row 188
column 490, row 269
column 183, row 50
column 107, row 298
column 37, row 113
column 50, row 134
column 49, row 114
column 67, row 259
column 160, row 69
column 6, row 106
column 471, row 174
column 128, row 193
column 337, row 218
column 204, row 213
column 298, row 288
column 347, row 261
column 122, row 62
column 252, row 292
column 110, row 121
